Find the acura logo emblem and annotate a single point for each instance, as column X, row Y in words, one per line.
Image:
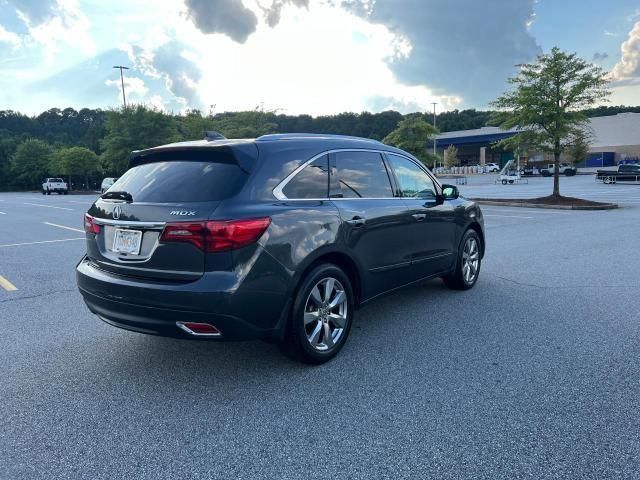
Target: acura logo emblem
column 117, row 211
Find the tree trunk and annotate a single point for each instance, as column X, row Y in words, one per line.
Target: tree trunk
column 556, row 174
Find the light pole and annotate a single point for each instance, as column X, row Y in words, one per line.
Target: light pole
column 434, row 139
column 124, row 98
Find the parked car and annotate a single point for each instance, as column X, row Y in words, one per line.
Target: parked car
column 106, row 184
column 491, row 167
column 279, row 238
column 624, row 173
column 54, row 185
column 565, row 169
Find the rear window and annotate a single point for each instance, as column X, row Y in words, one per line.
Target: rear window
column 181, row 181
column 55, row 180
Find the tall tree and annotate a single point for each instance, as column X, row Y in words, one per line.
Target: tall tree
column 412, row 134
column 451, row 156
column 134, row 128
column 545, row 103
column 75, row 161
column 30, row 163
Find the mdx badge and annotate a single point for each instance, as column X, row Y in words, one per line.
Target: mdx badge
column 183, row 213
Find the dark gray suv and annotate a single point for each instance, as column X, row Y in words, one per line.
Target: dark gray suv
column 278, row 238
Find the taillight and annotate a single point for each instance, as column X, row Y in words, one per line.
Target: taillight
column 90, row 225
column 216, row 236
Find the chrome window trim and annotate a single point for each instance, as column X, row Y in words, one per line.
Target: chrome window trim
column 277, row 191
column 129, row 223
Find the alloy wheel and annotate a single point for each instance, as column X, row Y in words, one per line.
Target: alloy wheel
column 470, row 260
column 325, row 314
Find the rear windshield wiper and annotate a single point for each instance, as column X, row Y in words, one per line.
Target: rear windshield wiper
column 118, row 195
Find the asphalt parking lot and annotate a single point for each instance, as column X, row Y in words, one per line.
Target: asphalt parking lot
column 532, row 374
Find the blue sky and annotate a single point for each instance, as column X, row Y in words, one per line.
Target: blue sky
column 300, row 56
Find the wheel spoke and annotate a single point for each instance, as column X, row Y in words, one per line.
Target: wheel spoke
column 315, row 335
column 328, row 339
column 315, row 294
column 328, row 289
column 310, row 317
column 338, row 299
column 338, row 320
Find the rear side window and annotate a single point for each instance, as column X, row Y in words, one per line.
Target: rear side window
column 181, row 181
column 414, row 182
column 362, row 175
column 311, row 182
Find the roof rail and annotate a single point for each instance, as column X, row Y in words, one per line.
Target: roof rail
column 295, row 136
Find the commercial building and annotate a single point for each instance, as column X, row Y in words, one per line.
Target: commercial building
column 615, row 139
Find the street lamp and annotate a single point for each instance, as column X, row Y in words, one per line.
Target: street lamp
column 124, row 99
column 434, row 139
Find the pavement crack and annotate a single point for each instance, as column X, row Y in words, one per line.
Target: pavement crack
column 562, row 287
column 27, row 297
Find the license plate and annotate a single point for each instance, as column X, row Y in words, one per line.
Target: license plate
column 127, row 241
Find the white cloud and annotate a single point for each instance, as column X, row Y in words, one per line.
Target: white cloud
column 9, row 37
column 134, row 87
column 610, row 34
column 627, row 70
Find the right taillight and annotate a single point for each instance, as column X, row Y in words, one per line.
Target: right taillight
column 216, row 236
column 90, row 225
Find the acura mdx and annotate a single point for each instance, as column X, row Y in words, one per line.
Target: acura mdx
column 279, row 238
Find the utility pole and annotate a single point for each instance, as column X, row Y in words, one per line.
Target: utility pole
column 434, row 139
column 124, row 98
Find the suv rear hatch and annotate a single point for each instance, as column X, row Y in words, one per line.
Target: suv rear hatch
column 147, row 224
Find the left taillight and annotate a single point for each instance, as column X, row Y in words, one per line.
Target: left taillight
column 90, row 225
column 216, row 236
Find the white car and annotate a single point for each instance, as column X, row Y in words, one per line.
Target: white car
column 106, row 184
column 491, row 167
column 57, row 185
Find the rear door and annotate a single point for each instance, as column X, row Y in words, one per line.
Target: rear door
column 372, row 218
column 432, row 232
column 185, row 187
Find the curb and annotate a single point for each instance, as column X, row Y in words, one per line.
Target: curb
column 604, row 206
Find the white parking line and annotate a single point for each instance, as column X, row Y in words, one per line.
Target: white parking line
column 7, row 285
column 66, row 228
column 44, row 241
column 48, row 206
column 508, row 216
column 2, row 213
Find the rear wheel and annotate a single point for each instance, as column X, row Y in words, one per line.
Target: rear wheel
column 467, row 269
column 321, row 316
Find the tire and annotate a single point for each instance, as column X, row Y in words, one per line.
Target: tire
column 65, row 192
column 309, row 323
column 460, row 279
column 504, row 182
column 48, row 192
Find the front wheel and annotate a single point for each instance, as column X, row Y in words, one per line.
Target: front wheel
column 321, row 316
column 468, row 262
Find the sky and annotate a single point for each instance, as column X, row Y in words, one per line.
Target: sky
column 300, row 56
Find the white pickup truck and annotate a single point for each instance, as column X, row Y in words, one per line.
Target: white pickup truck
column 565, row 169
column 54, row 185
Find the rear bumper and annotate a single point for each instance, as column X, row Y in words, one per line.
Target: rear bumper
column 242, row 313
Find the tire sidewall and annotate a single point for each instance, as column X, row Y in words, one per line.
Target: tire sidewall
column 296, row 322
column 468, row 234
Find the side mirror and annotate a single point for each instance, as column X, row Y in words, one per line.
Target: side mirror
column 450, row 192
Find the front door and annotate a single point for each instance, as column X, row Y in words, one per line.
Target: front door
column 433, row 227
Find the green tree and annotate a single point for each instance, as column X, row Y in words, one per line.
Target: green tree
column 578, row 147
column 30, row 163
column 78, row 161
column 134, row 128
column 545, row 103
column 412, row 134
column 451, row 157
column 193, row 125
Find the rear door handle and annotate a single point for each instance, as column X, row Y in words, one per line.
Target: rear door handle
column 357, row 221
column 419, row 216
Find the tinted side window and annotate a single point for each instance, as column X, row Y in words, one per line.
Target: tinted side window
column 311, row 182
column 362, row 175
column 414, row 182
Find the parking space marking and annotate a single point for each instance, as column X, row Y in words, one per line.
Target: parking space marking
column 48, row 206
column 508, row 216
column 63, row 226
column 43, row 241
column 7, row 285
column 2, row 213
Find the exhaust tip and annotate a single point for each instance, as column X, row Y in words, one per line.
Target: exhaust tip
column 199, row 329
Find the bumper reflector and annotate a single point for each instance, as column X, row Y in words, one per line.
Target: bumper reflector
column 199, row 329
